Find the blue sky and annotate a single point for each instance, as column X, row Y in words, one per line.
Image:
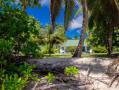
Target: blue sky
column 43, row 16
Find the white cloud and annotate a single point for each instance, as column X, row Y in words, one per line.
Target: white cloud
column 17, row 2
column 76, row 22
column 45, row 2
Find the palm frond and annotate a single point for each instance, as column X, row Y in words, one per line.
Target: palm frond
column 78, row 11
column 79, row 7
column 117, row 3
column 69, row 7
column 31, row 3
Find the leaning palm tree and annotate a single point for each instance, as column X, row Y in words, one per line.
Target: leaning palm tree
column 55, row 6
column 78, row 51
column 69, row 5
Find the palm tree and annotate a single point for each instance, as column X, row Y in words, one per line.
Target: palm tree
column 55, row 6
column 105, row 15
column 69, row 5
column 78, row 51
column 56, row 38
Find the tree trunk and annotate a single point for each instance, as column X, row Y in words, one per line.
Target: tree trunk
column 49, row 37
column 109, row 43
column 24, row 5
column 78, row 51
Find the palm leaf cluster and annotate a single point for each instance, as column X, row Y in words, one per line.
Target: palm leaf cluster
column 103, row 12
column 55, row 7
column 104, row 19
column 103, row 15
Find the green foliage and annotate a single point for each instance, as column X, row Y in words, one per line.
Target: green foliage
column 116, row 49
column 102, row 23
column 68, row 12
column 50, row 77
column 58, row 37
column 25, row 69
column 2, row 74
column 19, row 34
column 14, row 82
column 99, row 49
column 71, row 49
column 18, row 76
column 51, row 41
column 6, row 46
column 71, row 70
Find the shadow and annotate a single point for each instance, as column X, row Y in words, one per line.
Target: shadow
column 57, row 65
column 94, row 68
column 96, row 65
column 99, row 55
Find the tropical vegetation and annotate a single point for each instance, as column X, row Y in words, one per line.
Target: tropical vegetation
column 22, row 37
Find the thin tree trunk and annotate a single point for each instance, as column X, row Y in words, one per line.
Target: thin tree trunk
column 52, row 18
column 49, row 49
column 109, row 44
column 79, row 48
column 24, row 5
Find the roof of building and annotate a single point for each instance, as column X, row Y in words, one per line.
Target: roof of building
column 70, row 43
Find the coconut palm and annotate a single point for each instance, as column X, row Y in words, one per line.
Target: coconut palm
column 104, row 15
column 55, row 6
column 69, row 5
column 78, row 51
column 105, row 6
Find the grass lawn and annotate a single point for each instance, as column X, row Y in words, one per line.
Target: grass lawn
column 116, row 54
column 58, row 56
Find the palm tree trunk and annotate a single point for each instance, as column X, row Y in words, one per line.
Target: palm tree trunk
column 109, row 43
column 78, row 51
column 24, row 5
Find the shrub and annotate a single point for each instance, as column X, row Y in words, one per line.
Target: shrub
column 50, row 77
column 18, row 78
column 71, row 71
column 99, row 49
column 19, row 34
column 116, row 49
column 14, row 82
column 71, row 49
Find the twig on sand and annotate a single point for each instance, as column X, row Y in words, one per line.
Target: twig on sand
column 113, row 80
column 61, row 85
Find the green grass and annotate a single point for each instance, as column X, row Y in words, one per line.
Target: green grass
column 116, row 54
column 58, row 56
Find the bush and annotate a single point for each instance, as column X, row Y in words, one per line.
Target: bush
column 50, row 77
column 19, row 34
column 71, row 49
column 71, row 71
column 14, row 82
column 18, row 76
column 99, row 49
column 116, row 49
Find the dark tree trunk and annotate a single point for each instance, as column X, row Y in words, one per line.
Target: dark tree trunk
column 78, row 51
column 109, row 41
column 50, row 44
